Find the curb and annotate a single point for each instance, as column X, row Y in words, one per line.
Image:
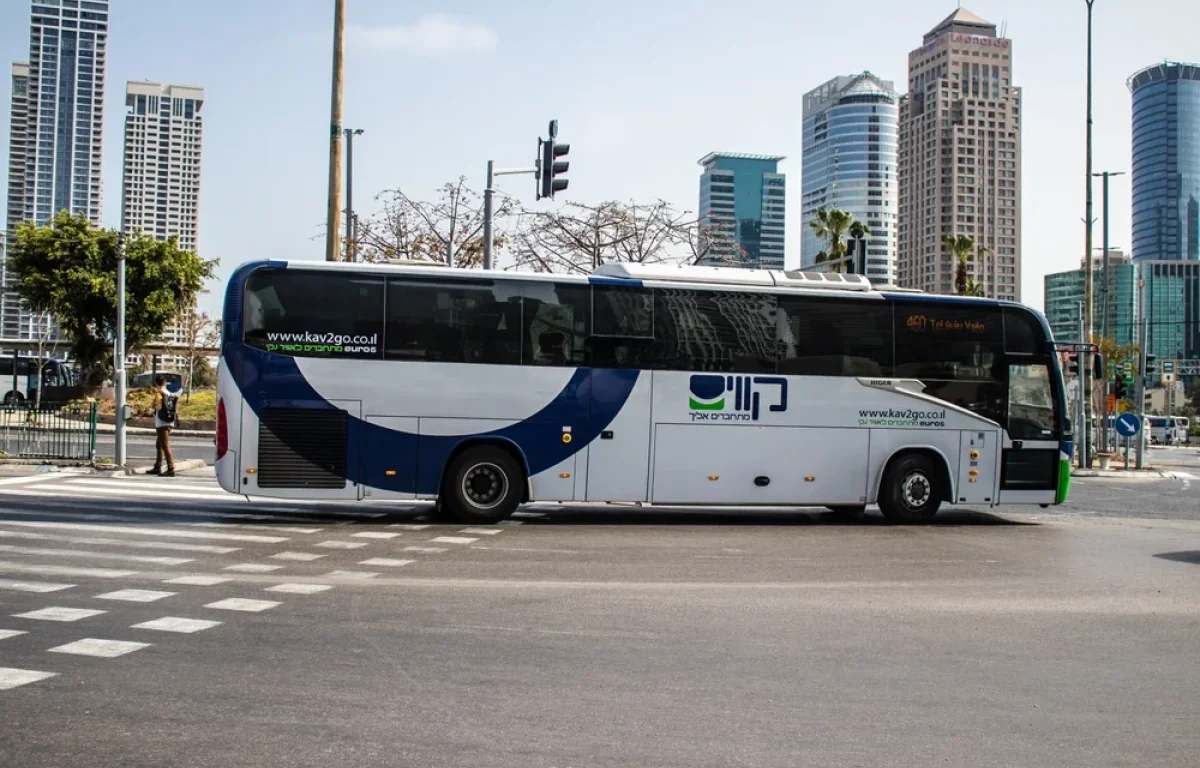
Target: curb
column 151, row 432
column 111, row 470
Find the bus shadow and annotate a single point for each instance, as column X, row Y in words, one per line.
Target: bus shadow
column 1192, row 557
column 800, row 517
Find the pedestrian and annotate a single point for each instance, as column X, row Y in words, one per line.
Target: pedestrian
column 165, row 407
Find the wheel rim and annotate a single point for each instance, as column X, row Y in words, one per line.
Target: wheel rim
column 915, row 490
column 485, row 486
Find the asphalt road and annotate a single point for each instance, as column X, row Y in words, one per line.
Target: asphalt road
column 585, row 637
column 141, row 447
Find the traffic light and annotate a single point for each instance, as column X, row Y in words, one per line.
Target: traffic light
column 1119, row 389
column 1151, row 366
column 551, row 168
column 1098, row 366
column 1072, row 363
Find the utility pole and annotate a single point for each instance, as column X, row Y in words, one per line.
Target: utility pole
column 119, row 358
column 487, row 216
column 1084, row 427
column 1104, row 290
column 1085, row 378
column 1140, row 389
column 332, row 246
column 351, row 240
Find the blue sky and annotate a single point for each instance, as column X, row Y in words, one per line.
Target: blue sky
column 641, row 90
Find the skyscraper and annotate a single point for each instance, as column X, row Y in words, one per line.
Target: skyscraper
column 1063, row 298
column 58, row 121
column 960, row 158
column 161, row 183
column 1166, row 162
column 742, row 200
column 850, row 134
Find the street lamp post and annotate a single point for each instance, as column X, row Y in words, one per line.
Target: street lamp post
column 1104, row 286
column 1084, row 376
column 119, row 358
column 351, row 239
column 333, row 213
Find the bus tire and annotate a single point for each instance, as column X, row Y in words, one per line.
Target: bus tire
column 912, row 489
column 483, row 485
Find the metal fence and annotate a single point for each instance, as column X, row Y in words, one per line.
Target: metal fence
column 49, row 432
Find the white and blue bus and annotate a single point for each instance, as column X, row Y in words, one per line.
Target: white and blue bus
column 638, row 383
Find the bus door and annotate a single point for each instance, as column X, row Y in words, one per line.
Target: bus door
column 1030, row 458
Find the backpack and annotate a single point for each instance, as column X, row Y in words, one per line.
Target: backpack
column 169, row 406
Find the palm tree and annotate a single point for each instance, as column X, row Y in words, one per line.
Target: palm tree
column 831, row 226
column 960, row 248
column 973, row 288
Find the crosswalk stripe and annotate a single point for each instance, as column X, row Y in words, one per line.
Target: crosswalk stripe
column 386, row 561
column 177, row 624
column 304, row 557
column 224, row 513
column 242, row 604
column 299, row 589
column 56, row 613
column 179, row 533
column 30, row 479
column 56, row 570
column 39, row 587
column 454, row 539
column 136, row 595
column 252, row 567
column 104, row 649
column 167, row 491
column 7, row 633
column 282, row 528
column 11, row 677
column 45, row 552
column 198, row 580
column 156, row 485
column 103, row 542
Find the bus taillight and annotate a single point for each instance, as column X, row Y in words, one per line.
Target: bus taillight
column 222, row 430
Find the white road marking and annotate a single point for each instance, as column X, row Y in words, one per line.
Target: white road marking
column 59, row 614
column 177, row 624
column 341, row 544
column 67, row 492
column 352, row 574
column 299, row 589
column 198, row 581
column 482, row 531
column 32, row 586
column 242, row 604
column 304, row 557
column 104, row 649
column 387, row 561
column 409, row 526
column 426, row 550
column 7, row 633
column 511, row 522
column 103, row 542
column 252, row 568
column 374, row 535
column 11, row 678
column 151, row 559
column 530, row 514
column 178, row 533
column 55, row 570
column 248, row 527
column 28, row 479
column 454, row 540
column 136, row 595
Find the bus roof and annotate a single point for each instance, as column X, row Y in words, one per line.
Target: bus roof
column 665, row 275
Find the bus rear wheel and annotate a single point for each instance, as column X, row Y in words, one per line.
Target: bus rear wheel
column 483, row 485
column 912, row 489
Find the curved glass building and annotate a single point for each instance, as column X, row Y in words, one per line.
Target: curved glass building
column 851, row 133
column 1166, row 162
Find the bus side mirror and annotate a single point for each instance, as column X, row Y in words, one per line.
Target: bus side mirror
column 1069, row 429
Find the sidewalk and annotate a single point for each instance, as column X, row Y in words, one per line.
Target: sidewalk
column 136, row 467
column 108, row 429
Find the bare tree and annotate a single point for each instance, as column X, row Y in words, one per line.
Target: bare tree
column 46, row 331
column 201, row 332
column 579, row 238
column 448, row 230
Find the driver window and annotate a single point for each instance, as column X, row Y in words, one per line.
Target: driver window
column 1030, row 402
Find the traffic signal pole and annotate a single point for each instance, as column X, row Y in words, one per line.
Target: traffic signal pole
column 1140, row 388
column 545, row 170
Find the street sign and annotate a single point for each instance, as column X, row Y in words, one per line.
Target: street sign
column 1128, row 424
column 1112, row 402
column 1168, row 366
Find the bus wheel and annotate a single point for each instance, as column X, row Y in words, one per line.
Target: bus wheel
column 483, row 485
column 912, row 489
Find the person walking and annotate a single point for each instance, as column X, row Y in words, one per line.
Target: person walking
column 165, row 406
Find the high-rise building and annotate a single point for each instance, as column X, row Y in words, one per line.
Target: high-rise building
column 1166, row 162
column 161, row 185
column 1064, row 295
column 18, row 156
column 960, row 158
column 851, row 126
column 1172, row 302
column 742, row 201
column 58, row 118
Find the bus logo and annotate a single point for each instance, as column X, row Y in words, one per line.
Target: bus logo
column 710, row 395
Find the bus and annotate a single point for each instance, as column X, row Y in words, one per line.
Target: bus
column 658, row 384
column 19, row 379
column 173, row 380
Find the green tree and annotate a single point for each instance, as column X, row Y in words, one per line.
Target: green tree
column 832, row 225
column 973, row 288
column 69, row 269
column 960, row 247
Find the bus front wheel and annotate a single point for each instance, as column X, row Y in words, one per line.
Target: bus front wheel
column 483, row 485
column 912, row 489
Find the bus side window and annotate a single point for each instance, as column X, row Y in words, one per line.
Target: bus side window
column 834, row 337
column 557, row 320
column 714, row 331
column 622, row 327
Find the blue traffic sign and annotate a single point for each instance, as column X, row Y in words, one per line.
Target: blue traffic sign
column 1128, row 425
